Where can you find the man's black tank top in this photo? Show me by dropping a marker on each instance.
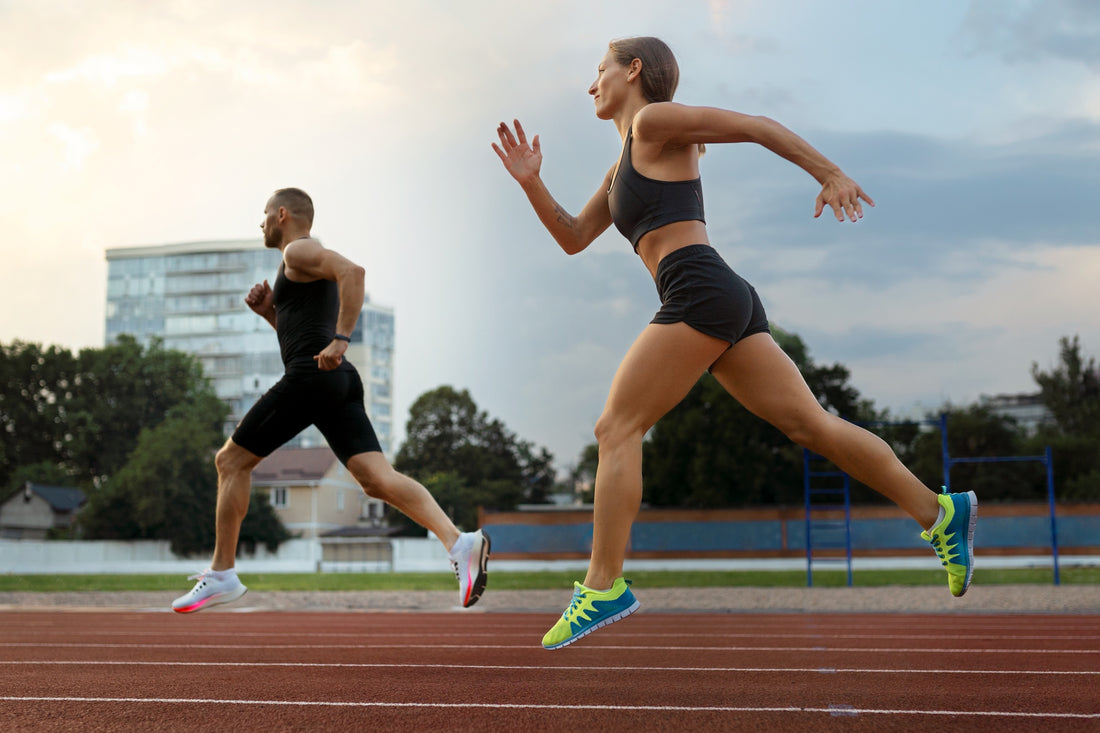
(639, 204)
(305, 317)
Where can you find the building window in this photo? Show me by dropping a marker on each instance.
(279, 497)
(340, 501)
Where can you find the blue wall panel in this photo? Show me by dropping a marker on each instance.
(767, 535)
(706, 536)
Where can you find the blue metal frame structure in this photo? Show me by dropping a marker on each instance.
(948, 461)
(843, 494)
(1047, 459)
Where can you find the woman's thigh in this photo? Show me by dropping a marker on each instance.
(760, 375)
(661, 367)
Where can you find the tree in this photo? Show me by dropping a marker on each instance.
(134, 427)
(85, 412)
(118, 391)
(1071, 391)
(468, 459)
(168, 487)
(34, 384)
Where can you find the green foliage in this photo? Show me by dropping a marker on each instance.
(1071, 391)
(34, 386)
(85, 412)
(467, 459)
(168, 487)
(135, 427)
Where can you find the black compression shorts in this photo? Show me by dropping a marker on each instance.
(333, 401)
(698, 288)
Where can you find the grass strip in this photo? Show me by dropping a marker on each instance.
(1077, 575)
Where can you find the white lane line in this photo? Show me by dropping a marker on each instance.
(569, 707)
(619, 647)
(534, 667)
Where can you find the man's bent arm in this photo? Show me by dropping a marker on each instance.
(308, 258)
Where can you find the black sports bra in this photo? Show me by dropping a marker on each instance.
(639, 204)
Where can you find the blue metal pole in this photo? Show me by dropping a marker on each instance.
(848, 524)
(806, 488)
(946, 452)
(1049, 461)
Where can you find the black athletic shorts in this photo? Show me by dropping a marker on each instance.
(333, 401)
(698, 288)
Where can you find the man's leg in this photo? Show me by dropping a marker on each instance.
(234, 465)
(219, 583)
(379, 480)
(469, 551)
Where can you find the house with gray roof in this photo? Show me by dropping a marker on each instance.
(31, 513)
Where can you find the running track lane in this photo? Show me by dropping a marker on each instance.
(485, 671)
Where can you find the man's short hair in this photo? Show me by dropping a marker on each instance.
(297, 202)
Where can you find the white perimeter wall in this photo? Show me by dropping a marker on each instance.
(44, 557)
(410, 555)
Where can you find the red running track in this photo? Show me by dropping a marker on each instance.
(471, 671)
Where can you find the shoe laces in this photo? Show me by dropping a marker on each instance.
(453, 558)
(941, 543)
(575, 604)
(938, 547)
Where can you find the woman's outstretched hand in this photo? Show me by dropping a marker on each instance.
(842, 194)
(523, 161)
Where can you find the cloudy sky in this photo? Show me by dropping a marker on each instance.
(974, 125)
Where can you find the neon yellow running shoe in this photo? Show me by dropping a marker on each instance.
(952, 537)
(591, 610)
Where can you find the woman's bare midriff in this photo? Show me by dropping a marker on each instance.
(654, 246)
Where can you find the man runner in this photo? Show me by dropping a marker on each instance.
(313, 308)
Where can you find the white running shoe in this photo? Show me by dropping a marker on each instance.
(214, 587)
(469, 556)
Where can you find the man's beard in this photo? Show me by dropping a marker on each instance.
(273, 237)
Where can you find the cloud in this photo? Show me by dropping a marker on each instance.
(78, 144)
(1030, 30)
(169, 122)
(954, 210)
(109, 70)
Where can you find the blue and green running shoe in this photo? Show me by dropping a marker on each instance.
(591, 610)
(952, 537)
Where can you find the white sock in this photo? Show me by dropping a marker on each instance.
(460, 544)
